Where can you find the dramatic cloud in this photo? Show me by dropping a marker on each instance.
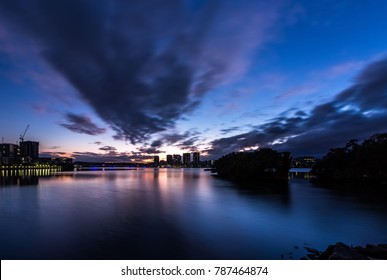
(156, 143)
(355, 113)
(82, 124)
(230, 129)
(143, 65)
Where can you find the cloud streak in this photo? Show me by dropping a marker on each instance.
(82, 124)
(109, 149)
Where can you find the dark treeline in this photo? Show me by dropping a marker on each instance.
(359, 164)
(261, 165)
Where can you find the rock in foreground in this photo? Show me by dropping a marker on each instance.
(341, 251)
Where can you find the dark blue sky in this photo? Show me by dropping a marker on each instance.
(125, 80)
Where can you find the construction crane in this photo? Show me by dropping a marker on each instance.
(22, 136)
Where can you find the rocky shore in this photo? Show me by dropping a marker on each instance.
(341, 251)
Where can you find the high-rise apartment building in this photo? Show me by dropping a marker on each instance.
(169, 160)
(186, 158)
(196, 157)
(29, 151)
(156, 160)
(176, 159)
(9, 153)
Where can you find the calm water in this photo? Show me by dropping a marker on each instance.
(175, 214)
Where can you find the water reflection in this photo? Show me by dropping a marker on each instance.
(19, 180)
(274, 192)
(10, 172)
(23, 177)
(176, 214)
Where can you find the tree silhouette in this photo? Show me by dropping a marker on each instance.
(262, 165)
(356, 163)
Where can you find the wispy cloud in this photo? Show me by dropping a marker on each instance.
(109, 149)
(55, 154)
(82, 124)
(305, 89)
(150, 151)
(229, 130)
(54, 147)
(348, 67)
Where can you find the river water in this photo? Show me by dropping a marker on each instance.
(176, 214)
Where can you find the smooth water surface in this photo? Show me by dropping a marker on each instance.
(176, 214)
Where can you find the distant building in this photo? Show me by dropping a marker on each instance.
(56, 160)
(169, 160)
(29, 151)
(9, 153)
(176, 159)
(186, 158)
(7, 150)
(156, 160)
(196, 157)
(304, 162)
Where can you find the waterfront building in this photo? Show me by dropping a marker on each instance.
(196, 157)
(169, 160)
(156, 160)
(9, 153)
(177, 160)
(186, 158)
(29, 151)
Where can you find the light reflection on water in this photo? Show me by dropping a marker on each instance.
(176, 214)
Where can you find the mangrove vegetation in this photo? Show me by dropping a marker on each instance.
(363, 164)
(263, 165)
